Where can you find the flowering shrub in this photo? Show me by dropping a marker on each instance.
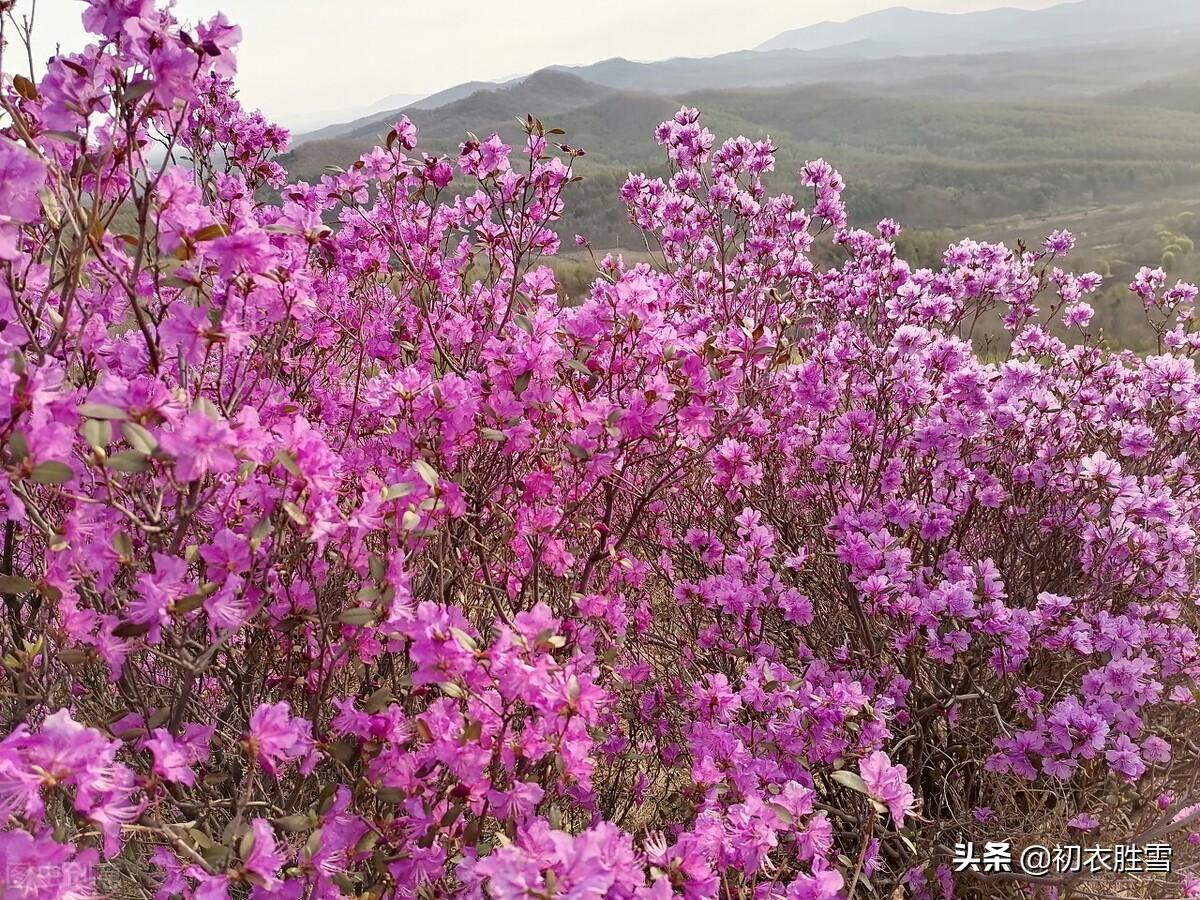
(344, 557)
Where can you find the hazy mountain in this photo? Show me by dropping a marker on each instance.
(310, 124)
(1017, 53)
(395, 101)
(390, 109)
(1058, 71)
(917, 33)
(992, 141)
(546, 93)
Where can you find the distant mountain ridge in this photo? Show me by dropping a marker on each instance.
(432, 101)
(546, 93)
(917, 32)
(879, 48)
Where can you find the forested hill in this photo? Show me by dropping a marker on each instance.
(943, 151)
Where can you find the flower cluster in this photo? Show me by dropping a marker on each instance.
(345, 556)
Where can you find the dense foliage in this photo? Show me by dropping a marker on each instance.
(343, 557)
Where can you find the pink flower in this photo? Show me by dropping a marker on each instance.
(406, 133)
(181, 207)
(64, 752)
(822, 884)
(1125, 758)
(37, 867)
(518, 802)
(1060, 242)
(155, 592)
(21, 178)
(200, 445)
(276, 736)
(219, 37)
(888, 784)
(1084, 822)
(174, 758)
(704, 522)
(264, 859)
(108, 17)
(248, 251)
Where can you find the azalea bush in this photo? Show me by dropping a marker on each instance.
(345, 556)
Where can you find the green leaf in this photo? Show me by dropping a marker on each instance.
(15, 584)
(52, 472)
(294, 823)
(295, 513)
(852, 780)
(211, 232)
(66, 137)
(139, 438)
(50, 207)
(131, 629)
(358, 615)
(784, 815)
(72, 657)
(205, 406)
(259, 533)
(522, 322)
(102, 411)
(130, 461)
(135, 92)
(378, 700)
(288, 460)
(493, 434)
(579, 452)
(398, 490)
(25, 87)
(188, 604)
(98, 433)
(246, 846)
(427, 472)
(367, 842)
(343, 749)
(123, 544)
(17, 446)
(464, 640)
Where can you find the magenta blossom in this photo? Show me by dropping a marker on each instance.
(889, 785)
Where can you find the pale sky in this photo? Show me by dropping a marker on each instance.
(301, 58)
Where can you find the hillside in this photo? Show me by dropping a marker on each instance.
(389, 113)
(937, 161)
(1069, 72)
